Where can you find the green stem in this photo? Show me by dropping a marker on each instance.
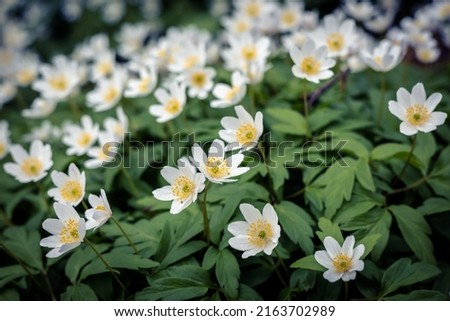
(278, 272)
(125, 234)
(281, 262)
(49, 285)
(5, 218)
(409, 187)
(251, 91)
(413, 145)
(205, 215)
(295, 194)
(134, 189)
(272, 193)
(27, 270)
(106, 264)
(84, 205)
(382, 97)
(171, 128)
(346, 291)
(305, 99)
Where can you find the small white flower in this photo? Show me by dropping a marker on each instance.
(230, 95)
(131, 38)
(144, 84)
(30, 167)
(104, 153)
(290, 16)
(39, 108)
(258, 233)
(8, 91)
(108, 91)
(70, 188)
(427, 54)
(4, 138)
(342, 263)
(416, 111)
(45, 132)
(311, 63)
(361, 10)
(80, 138)
(104, 65)
(185, 184)
(192, 56)
(215, 166)
(385, 57)
(199, 81)
(100, 212)
(26, 69)
(117, 127)
(171, 103)
(68, 230)
(243, 131)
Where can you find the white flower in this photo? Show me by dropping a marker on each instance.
(416, 111)
(117, 127)
(427, 54)
(68, 230)
(58, 80)
(216, 167)
(290, 16)
(80, 138)
(342, 263)
(108, 91)
(385, 57)
(104, 153)
(185, 184)
(144, 84)
(258, 233)
(243, 131)
(237, 24)
(44, 133)
(26, 69)
(8, 91)
(100, 212)
(311, 63)
(229, 95)
(191, 56)
(30, 167)
(380, 23)
(131, 38)
(199, 81)
(39, 108)
(70, 188)
(4, 138)
(361, 10)
(103, 66)
(171, 103)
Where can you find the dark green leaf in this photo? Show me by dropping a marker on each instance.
(419, 295)
(228, 273)
(328, 228)
(79, 292)
(24, 245)
(288, 121)
(308, 263)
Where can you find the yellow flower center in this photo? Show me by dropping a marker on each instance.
(84, 139)
(259, 233)
(100, 208)
(378, 60)
(118, 129)
(69, 233)
(417, 115)
(2, 149)
(444, 11)
(232, 93)
(198, 79)
(110, 94)
(59, 83)
(253, 10)
(242, 26)
(246, 134)
(249, 52)
(104, 153)
(25, 76)
(342, 263)
(335, 42)
(144, 84)
(32, 166)
(217, 167)
(182, 188)
(424, 55)
(190, 62)
(104, 67)
(172, 106)
(71, 191)
(310, 66)
(288, 18)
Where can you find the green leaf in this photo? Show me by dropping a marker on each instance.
(304, 280)
(288, 121)
(180, 252)
(246, 293)
(328, 228)
(389, 150)
(369, 242)
(79, 292)
(414, 229)
(308, 263)
(210, 258)
(364, 175)
(404, 272)
(419, 295)
(351, 209)
(321, 117)
(297, 225)
(24, 244)
(228, 273)
(10, 273)
(278, 174)
(434, 205)
(80, 258)
(425, 149)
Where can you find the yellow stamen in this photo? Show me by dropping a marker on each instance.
(100, 208)
(72, 191)
(249, 52)
(172, 106)
(246, 134)
(2, 149)
(335, 42)
(229, 96)
(59, 83)
(144, 84)
(310, 66)
(198, 79)
(110, 94)
(253, 10)
(182, 188)
(342, 263)
(104, 67)
(417, 115)
(242, 26)
(259, 233)
(378, 60)
(217, 167)
(190, 62)
(69, 233)
(25, 76)
(32, 166)
(288, 18)
(84, 139)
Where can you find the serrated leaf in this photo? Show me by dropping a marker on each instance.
(296, 223)
(364, 175)
(25, 246)
(180, 252)
(404, 272)
(303, 279)
(414, 229)
(434, 205)
(10, 273)
(80, 258)
(79, 292)
(228, 273)
(328, 228)
(308, 263)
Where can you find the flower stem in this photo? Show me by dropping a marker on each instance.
(84, 205)
(6, 219)
(49, 285)
(251, 92)
(281, 262)
(205, 215)
(278, 272)
(106, 264)
(382, 97)
(305, 99)
(125, 234)
(272, 193)
(409, 187)
(295, 194)
(413, 145)
(346, 291)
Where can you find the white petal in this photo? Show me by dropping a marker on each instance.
(59, 178)
(240, 243)
(396, 110)
(418, 94)
(403, 98)
(238, 228)
(426, 128)
(358, 265)
(230, 123)
(170, 174)
(324, 259)
(347, 247)
(437, 118)
(243, 115)
(18, 153)
(270, 215)
(250, 252)
(407, 129)
(50, 241)
(65, 212)
(178, 206)
(348, 276)
(250, 213)
(433, 101)
(164, 193)
(358, 252)
(52, 225)
(332, 276)
(332, 246)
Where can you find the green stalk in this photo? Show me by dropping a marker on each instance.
(125, 234)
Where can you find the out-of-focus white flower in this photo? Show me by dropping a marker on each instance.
(45, 132)
(237, 24)
(442, 10)
(185, 184)
(311, 62)
(420, 38)
(380, 23)
(416, 111)
(4, 138)
(144, 84)
(108, 91)
(26, 69)
(94, 47)
(15, 35)
(191, 56)
(385, 57)
(113, 11)
(58, 80)
(40, 108)
(258, 233)
(215, 166)
(68, 230)
(427, 54)
(198, 81)
(341, 262)
(241, 132)
(104, 153)
(171, 103)
(290, 16)
(254, 9)
(310, 20)
(117, 126)
(70, 188)
(103, 66)
(360, 10)
(29, 167)
(8, 91)
(80, 138)
(294, 39)
(229, 95)
(131, 38)
(72, 9)
(100, 212)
